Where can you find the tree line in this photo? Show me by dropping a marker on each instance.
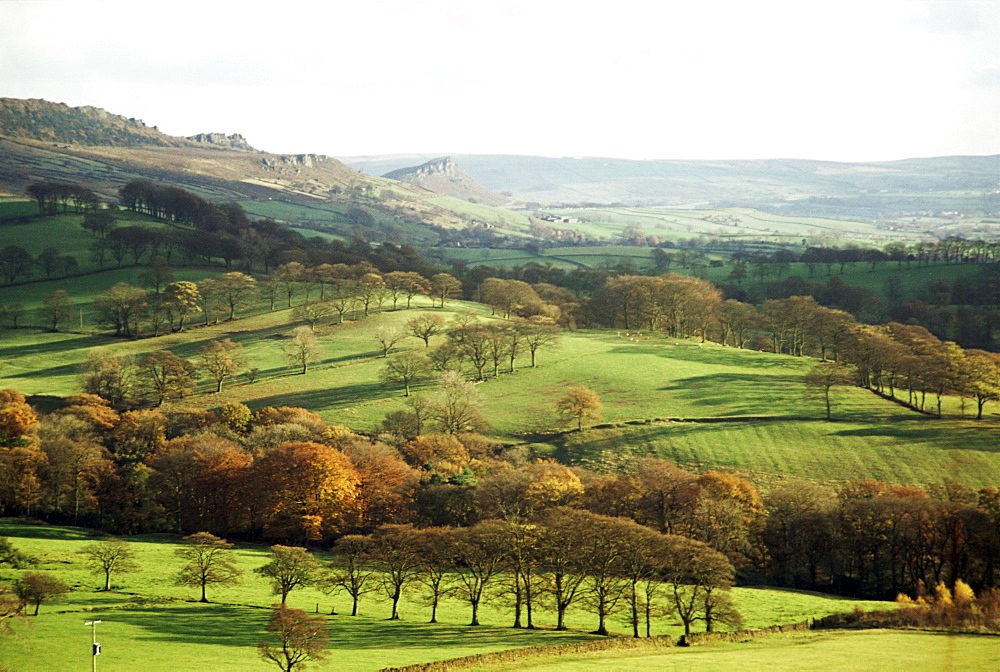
(282, 474)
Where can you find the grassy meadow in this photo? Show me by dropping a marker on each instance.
(656, 393)
(149, 622)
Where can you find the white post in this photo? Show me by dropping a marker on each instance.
(93, 644)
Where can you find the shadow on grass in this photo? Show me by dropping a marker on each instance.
(712, 355)
(324, 398)
(196, 624)
(13, 527)
(55, 347)
(984, 437)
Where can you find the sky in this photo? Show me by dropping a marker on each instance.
(649, 79)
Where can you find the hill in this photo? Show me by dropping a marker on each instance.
(444, 177)
(44, 141)
(798, 186)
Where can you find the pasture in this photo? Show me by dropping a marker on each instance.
(150, 623)
(701, 405)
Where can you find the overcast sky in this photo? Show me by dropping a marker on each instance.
(691, 79)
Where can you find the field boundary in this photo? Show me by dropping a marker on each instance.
(513, 655)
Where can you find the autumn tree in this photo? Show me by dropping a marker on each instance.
(221, 359)
(236, 290)
(387, 337)
(445, 286)
(110, 556)
(425, 326)
(181, 299)
(692, 570)
(308, 490)
(301, 347)
(301, 638)
(350, 569)
(577, 404)
(561, 565)
(165, 375)
(435, 554)
(406, 369)
(312, 312)
(825, 376)
(210, 561)
(538, 335)
(479, 552)
(37, 587)
(398, 557)
(290, 567)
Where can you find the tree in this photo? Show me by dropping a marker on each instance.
(308, 490)
(457, 404)
(312, 312)
(479, 553)
(426, 325)
(209, 562)
(236, 289)
(290, 567)
(221, 359)
(435, 559)
(395, 551)
(57, 308)
(577, 404)
(121, 308)
(406, 368)
(445, 286)
(350, 568)
(823, 377)
(387, 337)
(111, 377)
(537, 335)
(181, 299)
(15, 262)
(692, 570)
(301, 638)
(109, 556)
(301, 347)
(166, 375)
(37, 587)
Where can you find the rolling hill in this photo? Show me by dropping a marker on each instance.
(799, 186)
(44, 141)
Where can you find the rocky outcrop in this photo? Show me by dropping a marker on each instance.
(234, 141)
(443, 176)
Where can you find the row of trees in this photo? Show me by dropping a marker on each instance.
(283, 474)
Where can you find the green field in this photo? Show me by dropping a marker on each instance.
(148, 622)
(641, 381)
(842, 651)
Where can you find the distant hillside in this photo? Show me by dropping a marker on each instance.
(442, 176)
(825, 187)
(52, 142)
(41, 120)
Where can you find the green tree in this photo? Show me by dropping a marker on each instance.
(110, 556)
(301, 638)
(290, 567)
(209, 562)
